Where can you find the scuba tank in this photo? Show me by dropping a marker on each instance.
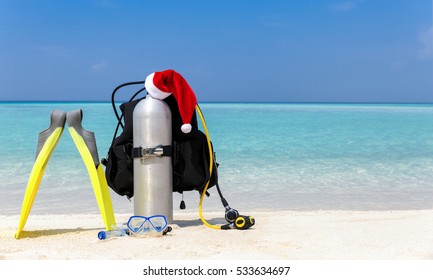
(153, 175)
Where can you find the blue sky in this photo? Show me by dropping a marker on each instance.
(274, 51)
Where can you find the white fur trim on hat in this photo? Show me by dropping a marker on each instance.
(153, 90)
(186, 128)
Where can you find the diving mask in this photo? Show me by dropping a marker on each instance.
(141, 225)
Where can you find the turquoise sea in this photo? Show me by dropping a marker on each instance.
(272, 157)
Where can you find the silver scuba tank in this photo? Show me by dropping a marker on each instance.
(153, 185)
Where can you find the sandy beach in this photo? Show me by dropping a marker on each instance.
(295, 235)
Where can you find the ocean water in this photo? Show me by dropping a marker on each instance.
(272, 157)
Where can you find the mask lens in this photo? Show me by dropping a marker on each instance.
(135, 223)
(159, 222)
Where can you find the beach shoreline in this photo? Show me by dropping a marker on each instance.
(277, 235)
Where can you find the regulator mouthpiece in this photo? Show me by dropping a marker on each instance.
(244, 222)
(241, 222)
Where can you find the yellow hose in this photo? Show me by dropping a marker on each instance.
(200, 208)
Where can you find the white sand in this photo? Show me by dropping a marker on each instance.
(320, 235)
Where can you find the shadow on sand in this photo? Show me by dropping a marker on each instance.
(52, 232)
(198, 222)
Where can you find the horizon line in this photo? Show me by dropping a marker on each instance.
(221, 102)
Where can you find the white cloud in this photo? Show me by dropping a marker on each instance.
(106, 4)
(397, 66)
(53, 50)
(344, 6)
(275, 20)
(99, 66)
(426, 40)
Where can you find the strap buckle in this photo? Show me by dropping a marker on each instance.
(158, 151)
(148, 152)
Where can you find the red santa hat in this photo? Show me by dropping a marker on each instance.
(161, 84)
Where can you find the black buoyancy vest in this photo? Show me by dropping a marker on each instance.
(190, 155)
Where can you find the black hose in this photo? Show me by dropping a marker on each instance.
(114, 93)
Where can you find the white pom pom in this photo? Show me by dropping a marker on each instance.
(186, 128)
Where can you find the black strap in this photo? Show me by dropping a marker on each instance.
(139, 152)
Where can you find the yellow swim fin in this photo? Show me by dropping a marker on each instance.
(86, 145)
(47, 142)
